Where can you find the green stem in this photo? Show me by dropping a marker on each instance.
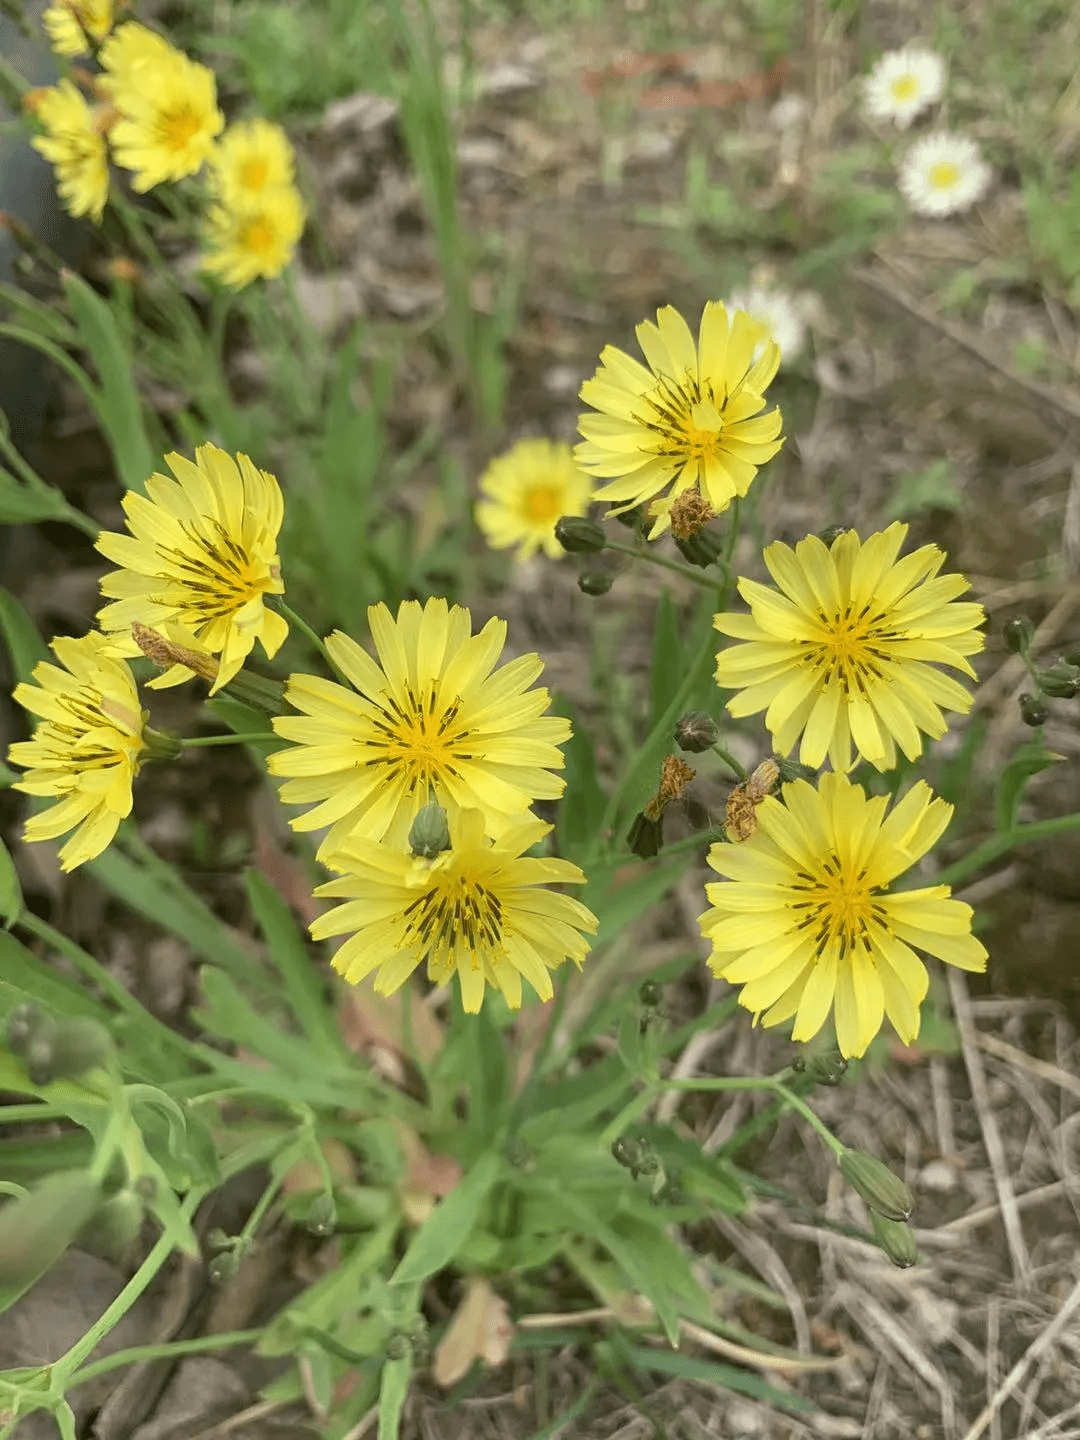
(680, 847)
(93, 971)
(640, 552)
(168, 1351)
(203, 742)
(772, 1083)
(1002, 843)
(65, 1367)
(729, 760)
(302, 625)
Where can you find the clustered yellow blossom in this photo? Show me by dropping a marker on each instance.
(420, 761)
(161, 122)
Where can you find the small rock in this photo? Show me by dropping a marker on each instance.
(362, 114)
(507, 79)
(202, 1390)
(938, 1175)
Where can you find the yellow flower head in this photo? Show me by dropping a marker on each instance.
(845, 652)
(690, 419)
(479, 909)
(168, 108)
(254, 237)
(73, 24)
(431, 719)
(199, 562)
(526, 491)
(87, 748)
(128, 50)
(803, 920)
(252, 156)
(74, 145)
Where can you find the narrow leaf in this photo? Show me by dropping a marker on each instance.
(449, 1225)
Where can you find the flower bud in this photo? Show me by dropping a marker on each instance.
(1033, 711)
(36, 1229)
(595, 582)
(646, 836)
(22, 1026)
(702, 549)
(792, 770)
(634, 519)
(1019, 633)
(578, 535)
(650, 993)
(626, 1151)
(112, 1232)
(831, 534)
(824, 1069)
(1072, 655)
(321, 1218)
(1061, 681)
(696, 731)
(884, 1192)
(430, 833)
(895, 1239)
(223, 1267)
(257, 690)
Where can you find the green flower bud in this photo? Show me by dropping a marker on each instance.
(217, 1239)
(112, 1232)
(895, 1239)
(645, 836)
(321, 1218)
(825, 1069)
(579, 535)
(831, 534)
(430, 834)
(650, 993)
(702, 549)
(1061, 681)
(160, 744)
(36, 1229)
(792, 770)
(1033, 711)
(626, 1151)
(21, 1027)
(595, 582)
(257, 690)
(1019, 633)
(884, 1192)
(223, 1267)
(696, 732)
(634, 519)
(78, 1045)
(1072, 655)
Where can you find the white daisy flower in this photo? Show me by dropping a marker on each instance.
(778, 311)
(903, 83)
(943, 173)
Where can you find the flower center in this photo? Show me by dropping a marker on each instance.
(176, 128)
(258, 235)
(837, 907)
(455, 914)
(67, 745)
(944, 175)
(543, 503)
(850, 648)
(253, 173)
(419, 740)
(215, 575)
(688, 421)
(904, 87)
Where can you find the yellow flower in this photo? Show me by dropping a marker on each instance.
(72, 24)
(252, 156)
(200, 559)
(803, 922)
(526, 491)
(429, 720)
(128, 50)
(168, 108)
(846, 653)
(688, 419)
(87, 748)
(478, 909)
(74, 145)
(255, 236)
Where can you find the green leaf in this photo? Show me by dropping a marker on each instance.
(689, 1367)
(231, 1015)
(630, 1047)
(118, 405)
(11, 899)
(305, 985)
(1028, 761)
(21, 505)
(180, 1143)
(24, 644)
(24, 976)
(487, 1083)
(449, 1225)
(918, 490)
(393, 1390)
(667, 658)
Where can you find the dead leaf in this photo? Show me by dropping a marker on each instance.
(367, 1021)
(427, 1177)
(306, 1176)
(480, 1330)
